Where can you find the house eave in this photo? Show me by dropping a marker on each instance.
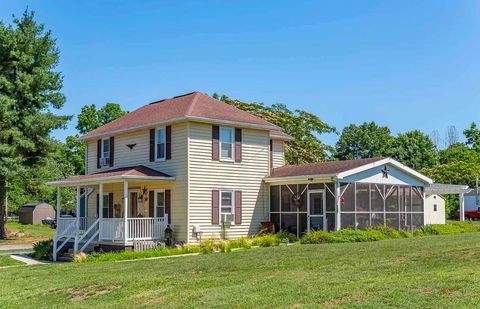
(87, 137)
(111, 179)
(301, 179)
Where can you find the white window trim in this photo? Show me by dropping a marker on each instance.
(155, 205)
(220, 205)
(103, 152)
(232, 159)
(157, 159)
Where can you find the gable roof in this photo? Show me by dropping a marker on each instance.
(193, 106)
(139, 172)
(340, 169)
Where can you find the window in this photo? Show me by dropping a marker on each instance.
(106, 151)
(106, 209)
(160, 204)
(226, 203)
(434, 207)
(226, 143)
(161, 145)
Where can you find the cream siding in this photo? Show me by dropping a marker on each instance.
(139, 155)
(278, 154)
(206, 175)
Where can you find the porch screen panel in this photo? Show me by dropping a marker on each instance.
(274, 198)
(347, 202)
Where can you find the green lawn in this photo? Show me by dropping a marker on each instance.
(423, 272)
(31, 233)
(5, 260)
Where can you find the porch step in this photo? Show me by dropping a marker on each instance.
(63, 258)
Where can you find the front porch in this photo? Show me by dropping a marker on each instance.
(114, 208)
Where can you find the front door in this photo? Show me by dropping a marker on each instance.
(316, 210)
(133, 203)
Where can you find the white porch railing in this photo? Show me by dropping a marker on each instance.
(111, 229)
(147, 228)
(63, 223)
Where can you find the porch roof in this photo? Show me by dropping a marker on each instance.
(140, 173)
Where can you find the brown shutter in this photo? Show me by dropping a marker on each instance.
(152, 145)
(112, 147)
(99, 152)
(215, 141)
(238, 145)
(168, 146)
(98, 205)
(271, 154)
(168, 205)
(238, 207)
(151, 206)
(110, 205)
(215, 206)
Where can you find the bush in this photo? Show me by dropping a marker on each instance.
(80, 258)
(390, 233)
(319, 237)
(269, 240)
(444, 229)
(131, 255)
(42, 250)
(286, 237)
(207, 246)
(348, 235)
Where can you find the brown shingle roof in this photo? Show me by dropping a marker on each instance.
(138, 171)
(280, 135)
(321, 168)
(191, 106)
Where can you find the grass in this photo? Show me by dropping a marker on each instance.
(420, 272)
(32, 233)
(5, 260)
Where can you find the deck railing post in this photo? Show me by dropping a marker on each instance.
(75, 246)
(125, 208)
(337, 206)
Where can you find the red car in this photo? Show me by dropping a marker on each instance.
(469, 214)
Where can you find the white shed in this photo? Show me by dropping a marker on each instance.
(434, 209)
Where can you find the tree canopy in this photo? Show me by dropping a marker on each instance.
(367, 140)
(29, 87)
(304, 127)
(414, 149)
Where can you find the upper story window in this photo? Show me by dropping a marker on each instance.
(160, 144)
(105, 151)
(226, 143)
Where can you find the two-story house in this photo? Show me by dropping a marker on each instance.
(207, 170)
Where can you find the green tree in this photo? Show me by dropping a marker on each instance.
(89, 119)
(367, 140)
(414, 149)
(458, 152)
(472, 135)
(29, 88)
(304, 127)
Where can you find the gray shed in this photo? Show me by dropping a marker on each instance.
(34, 213)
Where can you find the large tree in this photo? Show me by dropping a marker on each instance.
(29, 88)
(89, 119)
(367, 140)
(414, 149)
(304, 127)
(472, 135)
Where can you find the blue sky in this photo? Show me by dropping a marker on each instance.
(407, 65)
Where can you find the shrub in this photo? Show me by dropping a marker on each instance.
(80, 258)
(269, 240)
(42, 250)
(286, 237)
(319, 237)
(245, 243)
(390, 233)
(131, 255)
(444, 229)
(207, 246)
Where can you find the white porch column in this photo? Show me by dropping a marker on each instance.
(75, 247)
(462, 206)
(337, 208)
(100, 201)
(125, 207)
(59, 196)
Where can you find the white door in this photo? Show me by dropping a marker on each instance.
(316, 210)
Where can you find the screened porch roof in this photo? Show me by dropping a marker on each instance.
(137, 173)
(440, 188)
